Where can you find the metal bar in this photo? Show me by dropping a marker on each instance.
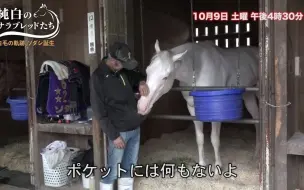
(224, 34)
(190, 88)
(192, 22)
(192, 118)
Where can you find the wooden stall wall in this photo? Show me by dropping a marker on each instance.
(70, 43)
(295, 46)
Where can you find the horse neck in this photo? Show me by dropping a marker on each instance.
(184, 70)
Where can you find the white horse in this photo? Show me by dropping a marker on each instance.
(214, 66)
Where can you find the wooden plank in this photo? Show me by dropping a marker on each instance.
(265, 83)
(31, 96)
(295, 145)
(280, 140)
(73, 128)
(95, 7)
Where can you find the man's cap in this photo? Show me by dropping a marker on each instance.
(121, 52)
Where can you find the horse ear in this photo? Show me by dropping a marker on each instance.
(178, 56)
(157, 49)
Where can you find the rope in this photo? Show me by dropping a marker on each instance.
(278, 106)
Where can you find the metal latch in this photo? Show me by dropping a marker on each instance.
(297, 66)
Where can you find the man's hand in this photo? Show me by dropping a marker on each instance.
(119, 143)
(143, 88)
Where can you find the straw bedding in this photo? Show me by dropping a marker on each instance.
(15, 156)
(237, 147)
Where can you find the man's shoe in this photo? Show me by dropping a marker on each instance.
(104, 186)
(125, 183)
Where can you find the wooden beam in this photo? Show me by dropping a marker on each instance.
(94, 59)
(31, 97)
(73, 128)
(266, 80)
(280, 132)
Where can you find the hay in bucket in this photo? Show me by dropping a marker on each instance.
(237, 148)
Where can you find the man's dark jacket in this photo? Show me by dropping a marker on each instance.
(113, 100)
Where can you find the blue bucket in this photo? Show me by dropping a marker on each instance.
(19, 108)
(218, 105)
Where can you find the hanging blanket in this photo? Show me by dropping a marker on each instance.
(58, 97)
(42, 93)
(79, 77)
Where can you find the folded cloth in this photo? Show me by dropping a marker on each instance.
(55, 153)
(60, 70)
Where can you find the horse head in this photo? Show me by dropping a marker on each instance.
(41, 11)
(160, 77)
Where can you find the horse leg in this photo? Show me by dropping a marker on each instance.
(199, 133)
(215, 140)
(252, 107)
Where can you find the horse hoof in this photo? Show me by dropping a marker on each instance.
(202, 163)
(218, 171)
(216, 176)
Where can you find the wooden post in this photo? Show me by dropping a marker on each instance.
(94, 55)
(266, 81)
(31, 97)
(280, 139)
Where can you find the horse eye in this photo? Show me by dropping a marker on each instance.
(165, 78)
